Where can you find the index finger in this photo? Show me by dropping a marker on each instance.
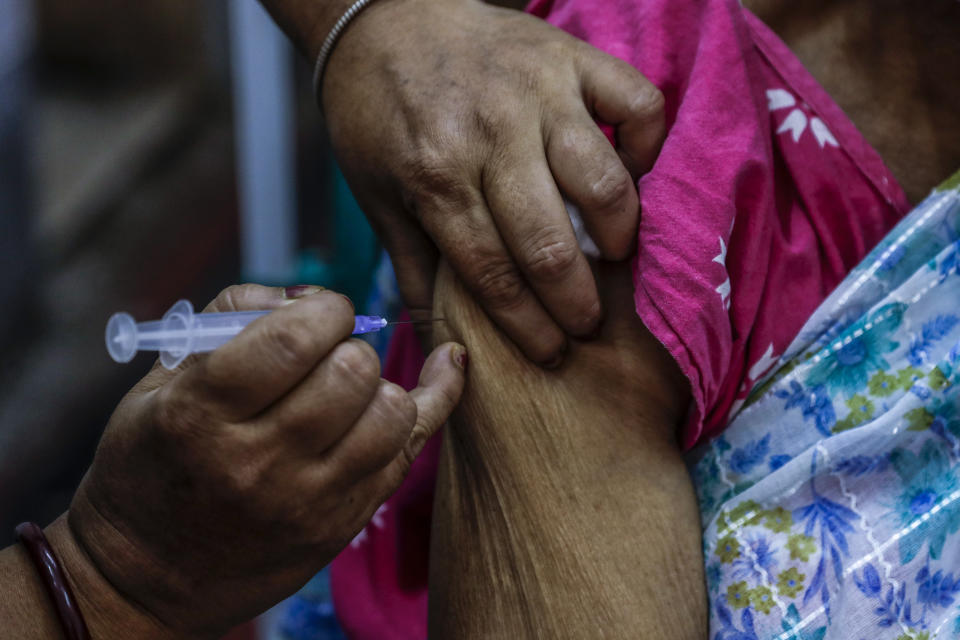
(620, 95)
(269, 357)
(529, 212)
(475, 250)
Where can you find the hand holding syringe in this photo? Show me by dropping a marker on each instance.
(182, 332)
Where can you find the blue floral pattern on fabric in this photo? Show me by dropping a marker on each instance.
(831, 504)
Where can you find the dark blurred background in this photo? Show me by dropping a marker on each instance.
(149, 151)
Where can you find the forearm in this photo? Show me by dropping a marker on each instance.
(27, 613)
(563, 506)
(25, 609)
(307, 22)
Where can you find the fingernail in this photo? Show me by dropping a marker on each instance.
(459, 354)
(300, 291)
(352, 306)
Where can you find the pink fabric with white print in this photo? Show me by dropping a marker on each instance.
(763, 198)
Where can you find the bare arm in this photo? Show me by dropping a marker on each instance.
(306, 22)
(25, 609)
(563, 507)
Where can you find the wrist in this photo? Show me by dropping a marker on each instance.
(108, 613)
(378, 35)
(26, 611)
(321, 26)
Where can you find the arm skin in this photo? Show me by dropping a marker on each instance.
(26, 612)
(306, 22)
(563, 508)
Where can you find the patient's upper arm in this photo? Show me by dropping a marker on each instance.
(563, 505)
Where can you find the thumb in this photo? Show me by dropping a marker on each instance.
(619, 95)
(437, 393)
(238, 297)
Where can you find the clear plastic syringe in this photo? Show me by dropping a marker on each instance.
(182, 332)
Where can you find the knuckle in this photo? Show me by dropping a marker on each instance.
(415, 443)
(219, 375)
(241, 479)
(176, 412)
(399, 409)
(560, 49)
(433, 176)
(491, 121)
(610, 190)
(227, 300)
(551, 256)
(498, 284)
(569, 131)
(648, 104)
(396, 473)
(569, 141)
(356, 361)
(291, 341)
(407, 457)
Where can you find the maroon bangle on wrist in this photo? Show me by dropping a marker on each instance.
(54, 581)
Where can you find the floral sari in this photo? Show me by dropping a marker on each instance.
(831, 504)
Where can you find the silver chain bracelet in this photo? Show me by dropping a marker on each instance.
(327, 48)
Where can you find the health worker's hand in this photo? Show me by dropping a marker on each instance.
(220, 488)
(458, 125)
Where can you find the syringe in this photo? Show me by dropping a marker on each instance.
(182, 332)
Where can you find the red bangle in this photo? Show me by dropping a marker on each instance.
(47, 565)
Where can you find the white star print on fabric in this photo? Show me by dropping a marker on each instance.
(722, 258)
(376, 522)
(724, 288)
(821, 133)
(780, 99)
(796, 121)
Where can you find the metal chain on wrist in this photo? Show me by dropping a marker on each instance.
(331, 40)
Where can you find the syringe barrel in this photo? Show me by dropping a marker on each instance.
(182, 332)
(211, 330)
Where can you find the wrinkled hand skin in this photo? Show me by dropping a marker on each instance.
(221, 488)
(459, 124)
